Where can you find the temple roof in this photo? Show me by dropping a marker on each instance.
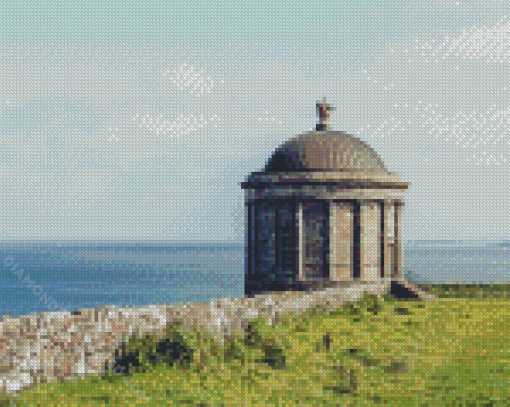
(325, 151)
(325, 155)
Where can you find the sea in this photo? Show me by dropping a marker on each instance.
(66, 276)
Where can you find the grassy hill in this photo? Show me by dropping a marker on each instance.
(374, 352)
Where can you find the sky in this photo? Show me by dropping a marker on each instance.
(138, 121)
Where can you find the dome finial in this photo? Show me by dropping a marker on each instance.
(323, 111)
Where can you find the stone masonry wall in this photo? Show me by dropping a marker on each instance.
(66, 346)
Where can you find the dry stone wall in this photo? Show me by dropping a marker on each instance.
(54, 346)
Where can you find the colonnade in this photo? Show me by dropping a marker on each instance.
(324, 239)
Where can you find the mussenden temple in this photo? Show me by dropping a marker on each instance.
(325, 211)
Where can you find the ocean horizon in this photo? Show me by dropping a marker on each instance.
(42, 276)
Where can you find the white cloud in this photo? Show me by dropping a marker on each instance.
(492, 44)
(186, 78)
(180, 126)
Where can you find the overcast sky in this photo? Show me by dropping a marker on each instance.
(139, 120)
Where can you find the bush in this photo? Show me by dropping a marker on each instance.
(141, 353)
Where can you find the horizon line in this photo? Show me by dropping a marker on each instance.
(226, 242)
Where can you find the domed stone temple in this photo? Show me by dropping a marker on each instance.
(325, 211)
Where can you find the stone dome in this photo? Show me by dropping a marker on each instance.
(325, 156)
(325, 151)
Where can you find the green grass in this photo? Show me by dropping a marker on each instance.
(374, 352)
(469, 290)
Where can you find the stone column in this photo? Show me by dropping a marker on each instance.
(397, 250)
(301, 240)
(342, 241)
(250, 276)
(370, 247)
(389, 237)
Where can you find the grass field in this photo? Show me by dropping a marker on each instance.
(374, 352)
